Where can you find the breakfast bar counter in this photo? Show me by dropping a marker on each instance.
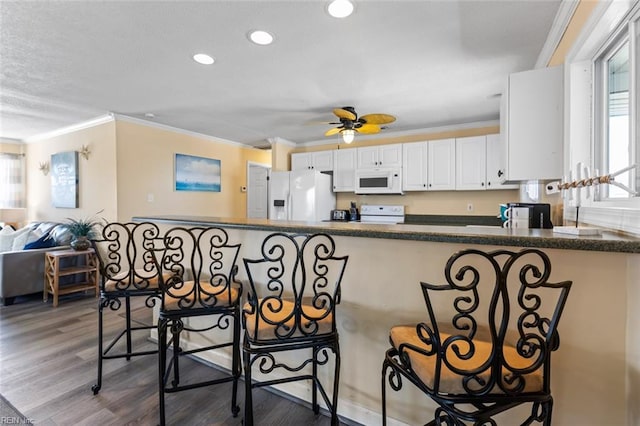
(483, 235)
(596, 371)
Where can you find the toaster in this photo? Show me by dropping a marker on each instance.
(340, 215)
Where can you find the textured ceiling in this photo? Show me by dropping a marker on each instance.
(430, 63)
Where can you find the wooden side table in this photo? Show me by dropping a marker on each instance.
(53, 270)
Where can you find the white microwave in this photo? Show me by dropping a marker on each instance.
(379, 181)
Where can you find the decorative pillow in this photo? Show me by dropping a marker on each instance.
(11, 240)
(20, 238)
(61, 235)
(6, 238)
(45, 227)
(34, 235)
(45, 241)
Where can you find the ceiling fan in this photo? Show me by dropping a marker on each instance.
(350, 123)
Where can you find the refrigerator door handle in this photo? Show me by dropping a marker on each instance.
(289, 209)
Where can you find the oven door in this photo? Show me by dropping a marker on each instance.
(378, 181)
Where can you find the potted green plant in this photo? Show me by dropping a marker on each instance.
(81, 230)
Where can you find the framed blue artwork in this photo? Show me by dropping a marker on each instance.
(197, 173)
(64, 180)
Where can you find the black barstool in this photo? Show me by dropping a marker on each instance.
(202, 267)
(486, 345)
(295, 288)
(125, 253)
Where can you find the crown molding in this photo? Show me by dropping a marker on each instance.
(281, 141)
(70, 129)
(129, 119)
(403, 133)
(11, 141)
(558, 28)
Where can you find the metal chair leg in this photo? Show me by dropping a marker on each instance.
(547, 409)
(336, 383)
(314, 383)
(162, 365)
(236, 366)
(248, 400)
(385, 367)
(176, 328)
(96, 388)
(127, 304)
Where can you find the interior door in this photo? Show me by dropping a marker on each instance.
(257, 191)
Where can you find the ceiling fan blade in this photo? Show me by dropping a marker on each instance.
(333, 131)
(377, 118)
(313, 123)
(343, 113)
(368, 128)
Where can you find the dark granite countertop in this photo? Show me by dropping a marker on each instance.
(474, 234)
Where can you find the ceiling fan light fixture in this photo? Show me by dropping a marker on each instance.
(203, 58)
(348, 135)
(340, 8)
(260, 37)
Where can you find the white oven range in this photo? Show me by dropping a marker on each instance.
(385, 214)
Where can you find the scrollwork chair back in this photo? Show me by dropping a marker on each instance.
(291, 306)
(200, 281)
(126, 258)
(295, 288)
(491, 344)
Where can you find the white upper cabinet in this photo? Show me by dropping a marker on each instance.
(372, 157)
(495, 164)
(321, 161)
(414, 166)
(531, 125)
(441, 168)
(344, 170)
(471, 163)
(478, 163)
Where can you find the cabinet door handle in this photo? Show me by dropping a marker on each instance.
(500, 173)
(482, 184)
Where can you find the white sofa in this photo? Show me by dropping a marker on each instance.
(22, 270)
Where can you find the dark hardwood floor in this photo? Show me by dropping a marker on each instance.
(48, 360)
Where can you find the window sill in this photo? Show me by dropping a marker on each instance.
(615, 218)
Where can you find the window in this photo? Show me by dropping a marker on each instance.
(617, 121)
(12, 182)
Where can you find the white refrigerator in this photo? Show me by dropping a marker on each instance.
(301, 195)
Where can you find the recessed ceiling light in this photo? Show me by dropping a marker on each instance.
(203, 59)
(260, 37)
(340, 8)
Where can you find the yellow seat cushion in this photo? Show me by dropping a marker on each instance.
(267, 331)
(225, 297)
(120, 281)
(450, 382)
